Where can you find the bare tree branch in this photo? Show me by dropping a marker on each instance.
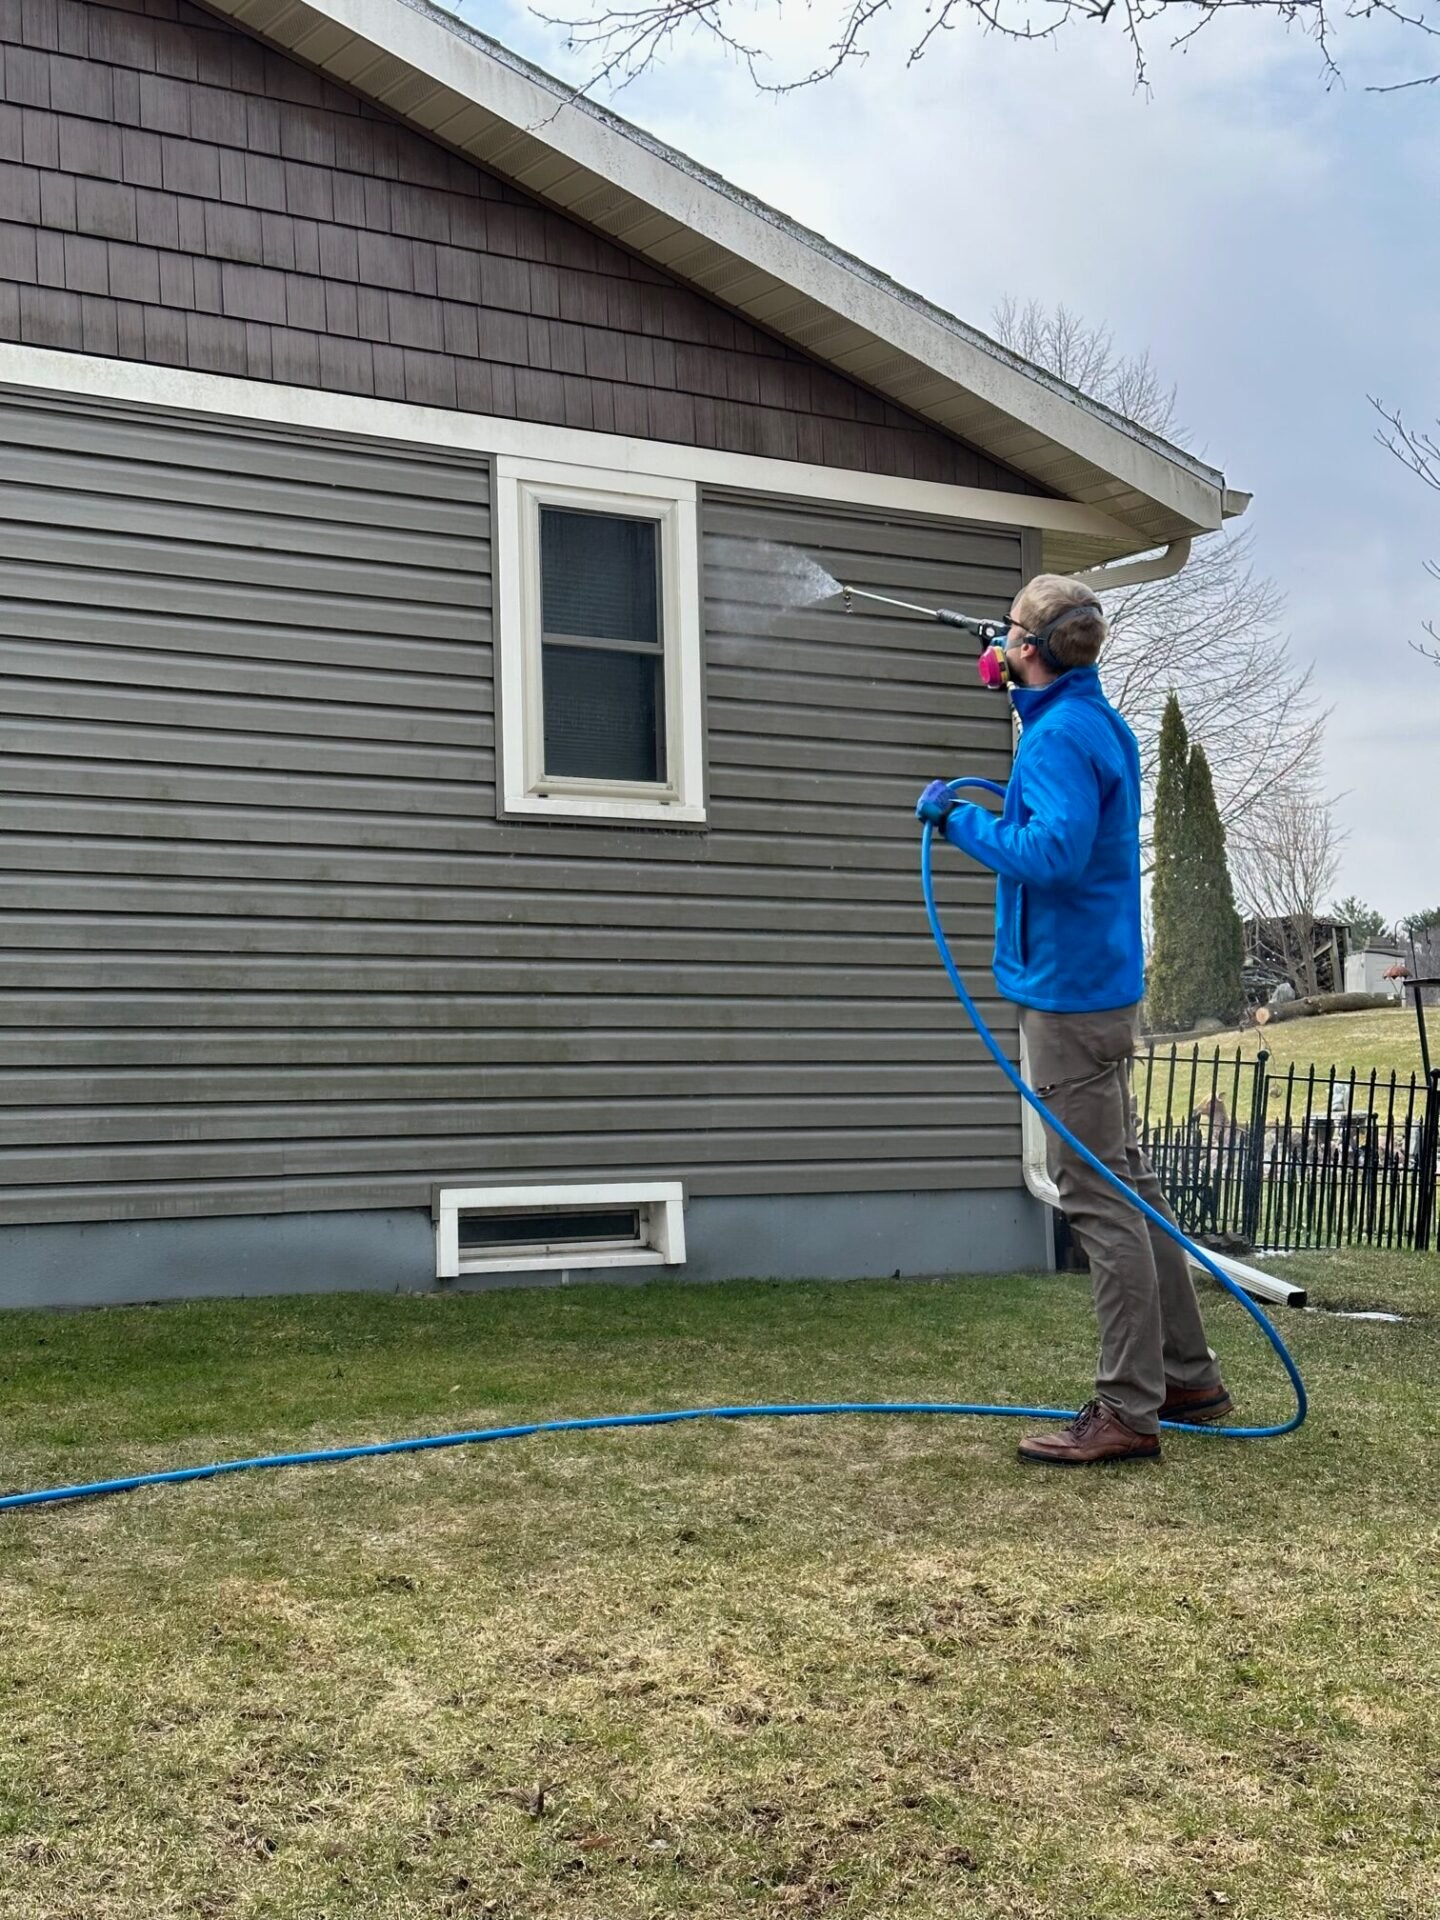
(1284, 872)
(1084, 355)
(1418, 453)
(625, 39)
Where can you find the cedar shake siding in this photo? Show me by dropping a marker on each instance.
(172, 191)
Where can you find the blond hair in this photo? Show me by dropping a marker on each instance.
(1078, 642)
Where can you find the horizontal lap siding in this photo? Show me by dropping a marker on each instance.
(264, 944)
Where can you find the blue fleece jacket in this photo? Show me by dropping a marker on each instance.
(1066, 849)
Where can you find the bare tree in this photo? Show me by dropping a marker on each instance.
(1085, 355)
(622, 40)
(1420, 453)
(1282, 872)
(1211, 632)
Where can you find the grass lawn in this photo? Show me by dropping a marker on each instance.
(1378, 1039)
(828, 1667)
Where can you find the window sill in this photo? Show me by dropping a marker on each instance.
(574, 806)
(571, 1260)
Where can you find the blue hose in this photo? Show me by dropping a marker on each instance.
(1032, 1099)
(482, 1436)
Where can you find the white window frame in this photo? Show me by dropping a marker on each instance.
(660, 1205)
(522, 488)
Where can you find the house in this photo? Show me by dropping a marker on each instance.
(1369, 970)
(437, 846)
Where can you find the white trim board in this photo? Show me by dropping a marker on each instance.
(87, 376)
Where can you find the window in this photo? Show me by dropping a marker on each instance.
(598, 602)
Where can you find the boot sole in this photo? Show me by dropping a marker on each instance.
(1105, 1460)
(1200, 1416)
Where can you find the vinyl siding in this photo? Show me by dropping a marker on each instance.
(264, 944)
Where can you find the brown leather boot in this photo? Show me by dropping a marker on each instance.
(1196, 1406)
(1095, 1437)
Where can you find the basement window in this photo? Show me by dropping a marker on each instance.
(598, 602)
(509, 1229)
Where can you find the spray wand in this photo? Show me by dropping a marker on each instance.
(986, 630)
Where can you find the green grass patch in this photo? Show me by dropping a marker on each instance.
(1321, 1051)
(839, 1667)
(1381, 1039)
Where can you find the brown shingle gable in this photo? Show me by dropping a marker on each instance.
(187, 196)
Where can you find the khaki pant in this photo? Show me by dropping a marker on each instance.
(1150, 1326)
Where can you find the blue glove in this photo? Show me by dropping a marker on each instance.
(936, 804)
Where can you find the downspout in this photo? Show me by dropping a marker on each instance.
(1162, 566)
(1264, 1286)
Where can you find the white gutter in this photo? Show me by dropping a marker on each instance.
(1137, 572)
(1264, 1286)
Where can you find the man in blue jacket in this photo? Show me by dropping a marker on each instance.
(1068, 950)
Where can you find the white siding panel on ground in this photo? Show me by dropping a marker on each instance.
(266, 946)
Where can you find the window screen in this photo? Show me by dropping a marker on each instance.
(602, 647)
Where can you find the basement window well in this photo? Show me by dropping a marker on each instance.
(510, 1229)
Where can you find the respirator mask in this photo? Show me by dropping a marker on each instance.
(994, 668)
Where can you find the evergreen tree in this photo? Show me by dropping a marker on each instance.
(1165, 995)
(1361, 922)
(1198, 952)
(1217, 949)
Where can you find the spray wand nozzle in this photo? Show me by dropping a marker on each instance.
(986, 630)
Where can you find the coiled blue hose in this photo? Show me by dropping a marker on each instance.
(786, 1410)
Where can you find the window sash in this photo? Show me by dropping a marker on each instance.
(567, 721)
(613, 588)
(649, 649)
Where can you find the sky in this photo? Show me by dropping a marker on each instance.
(1271, 240)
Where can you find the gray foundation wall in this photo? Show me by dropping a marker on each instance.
(788, 1237)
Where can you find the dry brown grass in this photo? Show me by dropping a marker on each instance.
(838, 1668)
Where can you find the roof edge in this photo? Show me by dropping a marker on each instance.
(575, 100)
(427, 66)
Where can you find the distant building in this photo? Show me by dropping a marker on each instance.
(1365, 971)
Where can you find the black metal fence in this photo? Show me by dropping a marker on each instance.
(1303, 1157)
